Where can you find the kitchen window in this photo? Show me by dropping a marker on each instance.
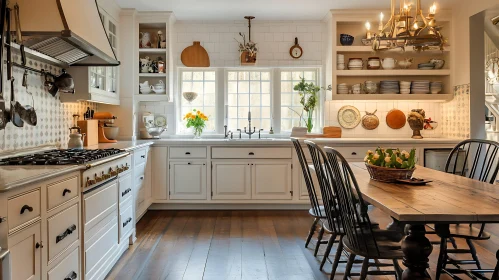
(249, 91)
(227, 95)
(204, 84)
(290, 99)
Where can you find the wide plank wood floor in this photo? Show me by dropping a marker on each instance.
(253, 245)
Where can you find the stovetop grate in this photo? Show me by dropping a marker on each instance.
(60, 157)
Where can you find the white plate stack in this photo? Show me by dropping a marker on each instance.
(420, 87)
(342, 89)
(389, 87)
(435, 87)
(405, 87)
(341, 62)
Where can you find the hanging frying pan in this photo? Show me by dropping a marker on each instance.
(15, 107)
(28, 113)
(3, 112)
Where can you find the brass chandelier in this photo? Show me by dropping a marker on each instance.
(407, 29)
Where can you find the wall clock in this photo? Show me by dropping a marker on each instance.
(296, 51)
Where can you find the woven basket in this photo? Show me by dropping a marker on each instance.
(388, 175)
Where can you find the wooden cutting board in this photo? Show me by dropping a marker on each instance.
(395, 119)
(91, 129)
(195, 56)
(327, 132)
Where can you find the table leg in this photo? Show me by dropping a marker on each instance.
(416, 248)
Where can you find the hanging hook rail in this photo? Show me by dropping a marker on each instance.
(42, 72)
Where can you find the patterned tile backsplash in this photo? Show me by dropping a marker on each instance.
(382, 108)
(54, 118)
(456, 114)
(453, 117)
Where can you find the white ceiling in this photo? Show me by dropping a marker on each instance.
(261, 9)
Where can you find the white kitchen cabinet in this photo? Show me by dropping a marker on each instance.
(303, 186)
(142, 181)
(231, 180)
(25, 253)
(271, 180)
(187, 180)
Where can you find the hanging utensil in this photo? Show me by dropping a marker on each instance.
(3, 112)
(50, 85)
(28, 114)
(65, 83)
(19, 36)
(15, 107)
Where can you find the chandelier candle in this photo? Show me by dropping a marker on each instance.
(368, 27)
(381, 16)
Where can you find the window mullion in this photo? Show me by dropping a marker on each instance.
(276, 100)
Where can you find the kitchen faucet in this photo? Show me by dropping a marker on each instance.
(227, 133)
(249, 132)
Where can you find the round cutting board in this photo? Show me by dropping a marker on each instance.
(348, 117)
(370, 121)
(395, 119)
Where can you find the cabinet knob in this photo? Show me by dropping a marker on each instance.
(187, 153)
(251, 154)
(354, 153)
(143, 156)
(38, 245)
(3, 219)
(65, 192)
(26, 207)
(141, 177)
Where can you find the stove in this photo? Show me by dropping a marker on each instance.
(61, 157)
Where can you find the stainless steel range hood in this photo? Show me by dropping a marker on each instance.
(66, 32)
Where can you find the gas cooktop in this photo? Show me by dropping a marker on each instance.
(61, 157)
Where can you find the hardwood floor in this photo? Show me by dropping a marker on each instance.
(218, 245)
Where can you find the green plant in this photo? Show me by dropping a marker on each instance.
(309, 95)
(391, 158)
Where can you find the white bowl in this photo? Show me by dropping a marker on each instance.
(111, 132)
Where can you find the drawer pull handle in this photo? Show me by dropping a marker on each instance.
(38, 245)
(127, 222)
(189, 163)
(71, 276)
(143, 156)
(251, 154)
(125, 192)
(354, 153)
(65, 192)
(63, 235)
(26, 207)
(187, 153)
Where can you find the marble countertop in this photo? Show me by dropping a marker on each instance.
(18, 176)
(287, 141)
(123, 145)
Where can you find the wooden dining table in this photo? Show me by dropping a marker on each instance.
(448, 199)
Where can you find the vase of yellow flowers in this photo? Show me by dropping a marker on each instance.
(197, 120)
(390, 165)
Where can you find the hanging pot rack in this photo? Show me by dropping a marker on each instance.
(42, 72)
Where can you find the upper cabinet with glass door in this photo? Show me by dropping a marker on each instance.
(102, 82)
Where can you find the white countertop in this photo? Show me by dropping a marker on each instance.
(287, 141)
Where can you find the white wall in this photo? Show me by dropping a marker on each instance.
(273, 38)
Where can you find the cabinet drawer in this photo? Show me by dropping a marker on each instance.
(60, 192)
(126, 220)
(68, 268)
(188, 152)
(23, 208)
(100, 249)
(249, 152)
(125, 186)
(356, 153)
(140, 156)
(63, 230)
(99, 203)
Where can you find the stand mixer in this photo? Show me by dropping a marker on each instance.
(107, 132)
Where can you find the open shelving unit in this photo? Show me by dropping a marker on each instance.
(153, 22)
(353, 23)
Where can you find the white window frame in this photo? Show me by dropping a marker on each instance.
(318, 110)
(218, 93)
(221, 106)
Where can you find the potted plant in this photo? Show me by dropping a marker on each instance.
(309, 95)
(197, 120)
(248, 50)
(390, 165)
